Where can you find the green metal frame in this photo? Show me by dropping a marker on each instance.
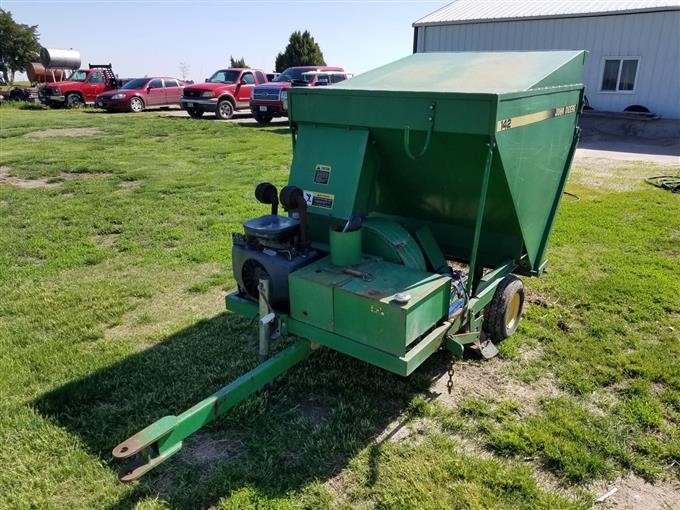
(162, 439)
(480, 218)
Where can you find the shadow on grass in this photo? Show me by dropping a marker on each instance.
(282, 127)
(125, 112)
(305, 427)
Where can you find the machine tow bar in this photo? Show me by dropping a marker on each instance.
(162, 439)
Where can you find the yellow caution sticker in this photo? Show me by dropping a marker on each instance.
(317, 199)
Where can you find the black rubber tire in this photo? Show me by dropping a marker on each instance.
(496, 321)
(224, 110)
(140, 101)
(263, 119)
(73, 100)
(16, 95)
(195, 113)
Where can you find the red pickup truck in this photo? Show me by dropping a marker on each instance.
(225, 92)
(269, 101)
(83, 86)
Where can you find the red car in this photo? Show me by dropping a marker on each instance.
(141, 93)
(225, 92)
(269, 100)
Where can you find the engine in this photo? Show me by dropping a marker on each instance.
(272, 246)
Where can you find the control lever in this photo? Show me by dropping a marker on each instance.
(354, 222)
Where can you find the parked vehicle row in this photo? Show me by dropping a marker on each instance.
(235, 89)
(225, 92)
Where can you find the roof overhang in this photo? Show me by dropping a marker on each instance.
(420, 23)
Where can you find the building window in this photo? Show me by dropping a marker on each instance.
(619, 74)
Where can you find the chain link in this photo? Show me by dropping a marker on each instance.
(449, 383)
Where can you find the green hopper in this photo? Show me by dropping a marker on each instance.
(418, 192)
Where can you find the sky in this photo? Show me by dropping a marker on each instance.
(152, 37)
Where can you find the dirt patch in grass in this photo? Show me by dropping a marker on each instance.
(69, 132)
(401, 430)
(612, 175)
(74, 176)
(337, 486)
(314, 412)
(36, 261)
(635, 493)
(129, 185)
(489, 379)
(43, 182)
(536, 298)
(105, 241)
(207, 450)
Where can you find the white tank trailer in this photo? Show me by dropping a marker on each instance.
(55, 66)
(53, 58)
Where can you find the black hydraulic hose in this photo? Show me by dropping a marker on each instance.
(667, 182)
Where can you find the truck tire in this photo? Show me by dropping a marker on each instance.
(195, 113)
(505, 310)
(262, 119)
(17, 95)
(225, 110)
(74, 100)
(136, 104)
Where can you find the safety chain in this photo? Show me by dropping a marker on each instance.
(449, 384)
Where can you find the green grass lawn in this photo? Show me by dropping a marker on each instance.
(114, 262)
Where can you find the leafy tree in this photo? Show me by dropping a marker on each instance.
(302, 50)
(237, 62)
(18, 45)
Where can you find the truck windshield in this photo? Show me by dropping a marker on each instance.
(224, 77)
(135, 84)
(292, 74)
(78, 76)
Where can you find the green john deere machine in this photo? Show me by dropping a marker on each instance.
(417, 193)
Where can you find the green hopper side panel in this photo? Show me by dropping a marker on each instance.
(409, 141)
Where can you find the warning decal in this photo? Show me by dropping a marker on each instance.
(322, 174)
(316, 199)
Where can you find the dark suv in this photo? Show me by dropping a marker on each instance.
(270, 100)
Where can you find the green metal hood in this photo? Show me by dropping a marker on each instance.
(409, 141)
(472, 72)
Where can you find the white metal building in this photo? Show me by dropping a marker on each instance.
(633, 45)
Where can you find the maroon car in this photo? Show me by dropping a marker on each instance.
(141, 93)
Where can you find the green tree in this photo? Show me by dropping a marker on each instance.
(237, 62)
(18, 45)
(302, 50)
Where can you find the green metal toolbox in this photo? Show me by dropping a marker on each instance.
(362, 306)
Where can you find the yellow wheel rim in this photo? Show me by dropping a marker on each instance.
(512, 312)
